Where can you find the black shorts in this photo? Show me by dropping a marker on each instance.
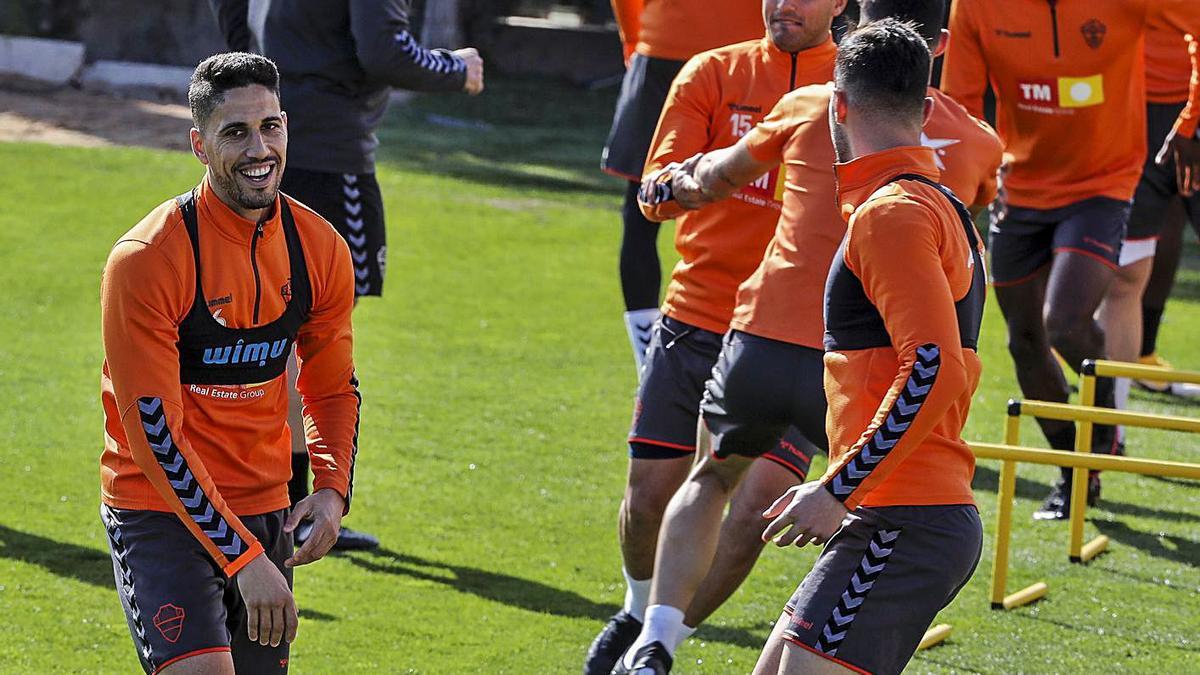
(353, 204)
(760, 387)
(177, 602)
(1158, 186)
(678, 361)
(1024, 240)
(643, 93)
(880, 582)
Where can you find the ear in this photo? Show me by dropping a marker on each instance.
(942, 42)
(927, 112)
(197, 143)
(839, 6)
(840, 106)
(283, 116)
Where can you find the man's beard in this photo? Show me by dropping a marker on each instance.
(248, 199)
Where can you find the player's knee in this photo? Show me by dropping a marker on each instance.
(646, 502)
(1026, 344)
(746, 524)
(1064, 328)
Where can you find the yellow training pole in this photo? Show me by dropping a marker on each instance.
(1076, 413)
(1145, 467)
(1138, 371)
(1026, 595)
(934, 636)
(1004, 505)
(1012, 424)
(1079, 476)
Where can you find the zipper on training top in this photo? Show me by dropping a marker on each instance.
(1054, 23)
(792, 80)
(258, 230)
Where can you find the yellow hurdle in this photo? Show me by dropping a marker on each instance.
(1010, 455)
(935, 636)
(1086, 416)
(1090, 370)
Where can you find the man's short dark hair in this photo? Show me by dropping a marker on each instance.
(883, 68)
(925, 15)
(221, 72)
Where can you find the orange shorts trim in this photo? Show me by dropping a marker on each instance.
(823, 655)
(785, 464)
(673, 446)
(198, 652)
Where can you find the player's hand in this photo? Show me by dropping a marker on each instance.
(325, 508)
(1186, 152)
(271, 614)
(684, 185)
(474, 61)
(656, 187)
(809, 510)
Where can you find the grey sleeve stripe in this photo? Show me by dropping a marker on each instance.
(436, 61)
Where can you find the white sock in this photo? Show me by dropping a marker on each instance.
(639, 324)
(637, 596)
(663, 624)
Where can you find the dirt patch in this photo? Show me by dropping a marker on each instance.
(67, 116)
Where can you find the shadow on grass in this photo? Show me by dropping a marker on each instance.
(1181, 550)
(1142, 639)
(314, 615)
(526, 594)
(1143, 579)
(987, 479)
(924, 657)
(65, 560)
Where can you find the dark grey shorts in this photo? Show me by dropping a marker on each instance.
(1024, 240)
(177, 602)
(353, 204)
(643, 93)
(758, 389)
(679, 360)
(1158, 186)
(881, 581)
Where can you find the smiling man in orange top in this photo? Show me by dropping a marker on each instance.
(903, 307)
(1070, 108)
(719, 96)
(658, 37)
(201, 304)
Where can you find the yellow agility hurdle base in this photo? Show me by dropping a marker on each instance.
(935, 636)
(1010, 455)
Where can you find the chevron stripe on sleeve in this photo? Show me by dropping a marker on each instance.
(116, 540)
(883, 542)
(187, 489)
(433, 60)
(906, 408)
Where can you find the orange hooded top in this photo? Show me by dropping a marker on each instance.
(226, 446)
(1070, 89)
(896, 412)
(783, 298)
(718, 97)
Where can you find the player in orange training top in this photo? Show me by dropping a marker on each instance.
(658, 37)
(718, 97)
(903, 308)
(770, 372)
(1070, 108)
(201, 303)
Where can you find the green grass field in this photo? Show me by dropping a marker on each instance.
(497, 389)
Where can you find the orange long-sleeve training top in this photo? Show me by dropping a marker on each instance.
(783, 298)
(718, 97)
(680, 29)
(1189, 117)
(1069, 78)
(227, 447)
(1168, 70)
(901, 366)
